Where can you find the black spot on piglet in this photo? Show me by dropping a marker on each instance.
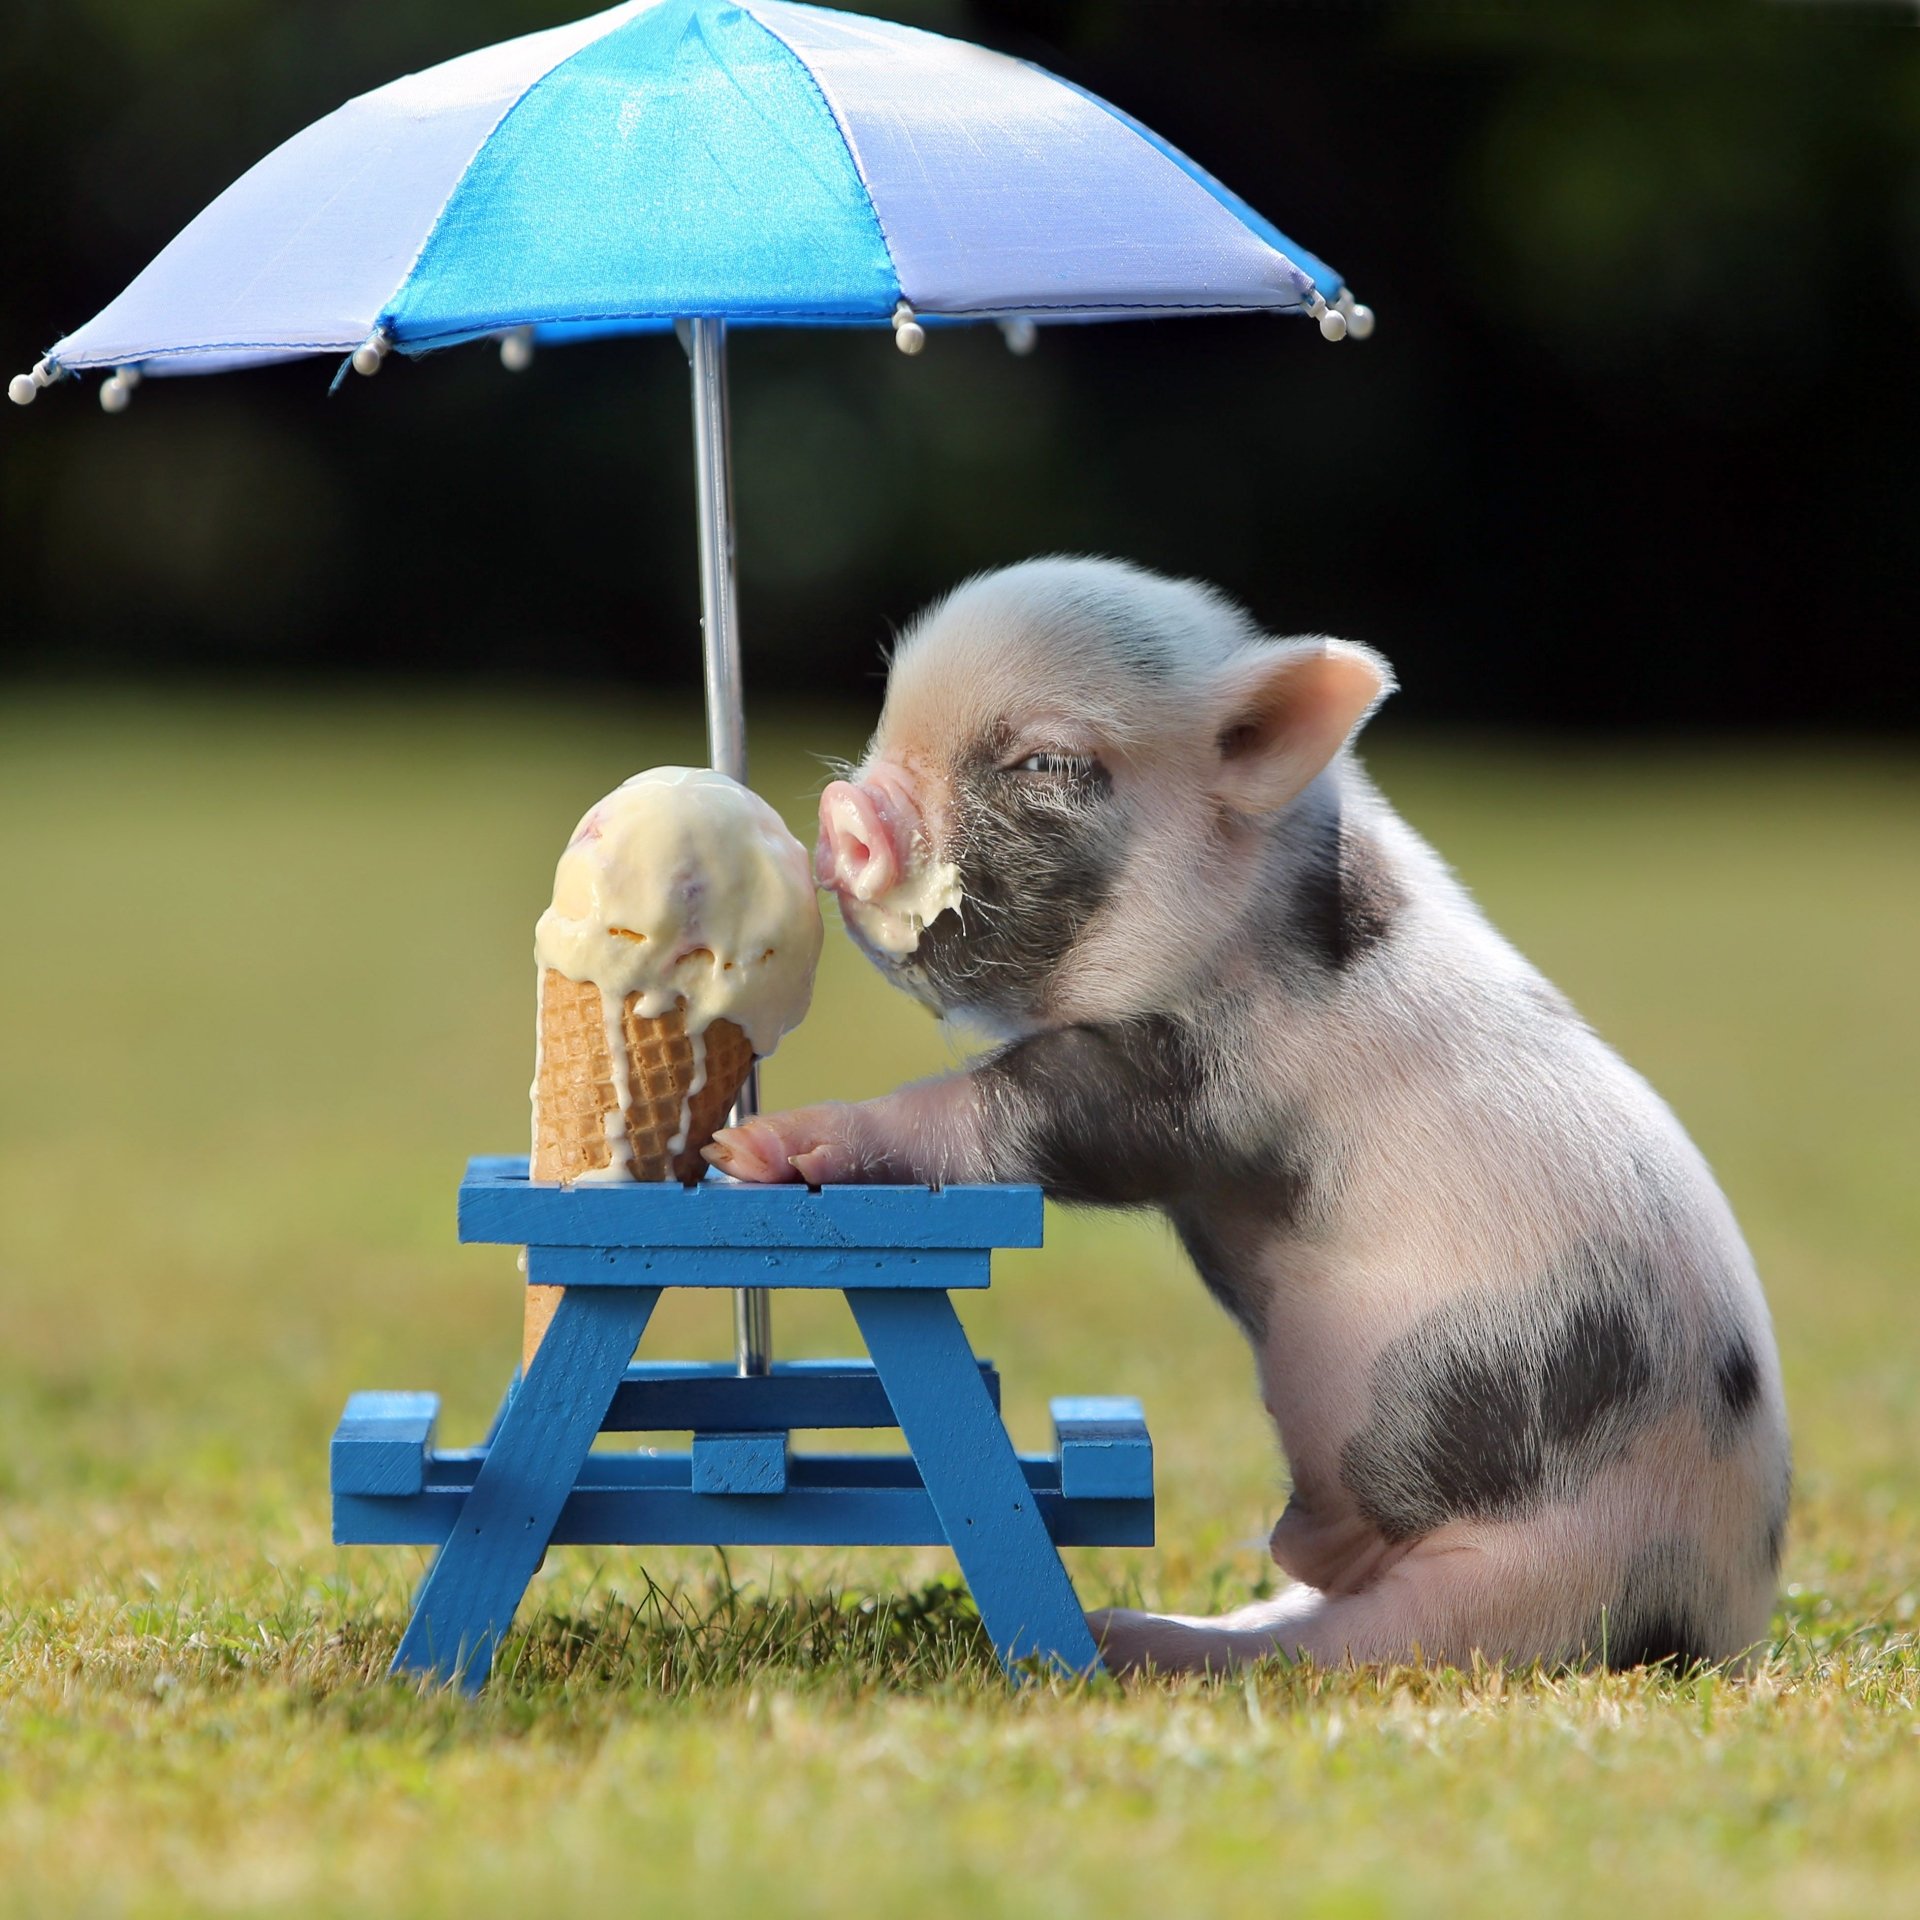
(1738, 1377)
(1100, 1114)
(1730, 1391)
(1656, 1615)
(1491, 1405)
(1338, 901)
(1656, 1637)
(1119, 1115)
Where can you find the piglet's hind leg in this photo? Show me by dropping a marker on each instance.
(1133, 1642)
(1498, 1591)
(1515, 1593)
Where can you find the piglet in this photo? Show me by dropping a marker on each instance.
(1515, 1347)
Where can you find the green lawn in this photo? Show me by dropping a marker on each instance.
(266, 981)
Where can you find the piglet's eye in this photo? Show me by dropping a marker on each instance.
(1056, 763)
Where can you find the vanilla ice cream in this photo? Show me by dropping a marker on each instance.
(682, 886)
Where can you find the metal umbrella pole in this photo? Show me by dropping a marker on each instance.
(706, 343)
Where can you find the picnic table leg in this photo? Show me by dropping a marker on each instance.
(543, 1436)
(973, 1476)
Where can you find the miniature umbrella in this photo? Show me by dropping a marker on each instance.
(698, 163)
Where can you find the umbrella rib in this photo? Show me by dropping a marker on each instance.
(384, 316)
(839, 127)
(367, 164)
(772, 127)
(1201, 177)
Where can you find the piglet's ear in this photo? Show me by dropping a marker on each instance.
(1288, 711)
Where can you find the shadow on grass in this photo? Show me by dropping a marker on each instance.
(684, 1640)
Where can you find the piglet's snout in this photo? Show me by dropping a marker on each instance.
(866, 839)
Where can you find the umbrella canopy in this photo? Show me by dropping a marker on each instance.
(749, 160)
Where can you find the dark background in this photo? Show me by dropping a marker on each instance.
(1636, 445)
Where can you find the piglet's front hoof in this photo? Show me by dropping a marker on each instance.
(809, 1144)
(752, 1151)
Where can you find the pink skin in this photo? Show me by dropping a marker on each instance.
(870, 840)
(929, 1133)
(869, 830)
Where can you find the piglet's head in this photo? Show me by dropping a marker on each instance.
(1073, 791)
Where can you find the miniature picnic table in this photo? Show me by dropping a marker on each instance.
(897, 1253)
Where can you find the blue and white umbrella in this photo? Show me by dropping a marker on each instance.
(698, 163)
(752, 160)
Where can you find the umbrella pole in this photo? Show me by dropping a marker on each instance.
(706, 343)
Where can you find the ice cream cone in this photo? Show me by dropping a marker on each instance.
(664, 1118)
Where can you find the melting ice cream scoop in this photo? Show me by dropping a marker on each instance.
(683, 884)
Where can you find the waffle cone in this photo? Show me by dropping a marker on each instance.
(576, 1088)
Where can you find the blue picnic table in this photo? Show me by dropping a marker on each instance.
(897, 1253)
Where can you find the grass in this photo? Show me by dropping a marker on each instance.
(266, 983)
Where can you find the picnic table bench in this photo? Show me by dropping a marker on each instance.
(897, 1253)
